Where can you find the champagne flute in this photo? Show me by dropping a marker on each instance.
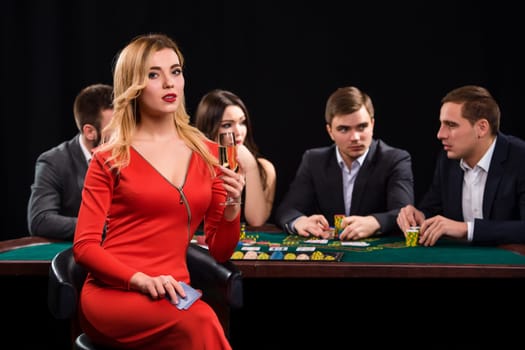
(228, 157)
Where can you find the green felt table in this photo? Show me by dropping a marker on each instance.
(384, 249)
(390, 249)
(383, 257)
(38, 251)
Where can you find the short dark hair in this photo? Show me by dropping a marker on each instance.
(477, 103)
(347, 100)
(90, 102)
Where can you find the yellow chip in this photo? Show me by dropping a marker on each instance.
(289, 256)
(263, 256)
(237, 255)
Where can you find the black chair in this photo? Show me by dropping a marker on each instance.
(221, 284)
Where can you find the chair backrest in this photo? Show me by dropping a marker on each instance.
(65, 281)
(219, 282)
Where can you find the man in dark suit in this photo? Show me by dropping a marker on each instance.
(56, 192)
(478, 190)
(360, 177)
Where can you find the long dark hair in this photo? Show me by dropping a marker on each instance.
(208, 119)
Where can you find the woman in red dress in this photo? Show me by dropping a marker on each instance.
(150, 187)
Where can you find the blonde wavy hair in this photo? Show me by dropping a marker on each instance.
(129, 79)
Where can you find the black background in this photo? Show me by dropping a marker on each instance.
(283, 58)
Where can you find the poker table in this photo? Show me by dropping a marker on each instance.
(452, 295)
(378, 257)
(381, 285)
(381, 257)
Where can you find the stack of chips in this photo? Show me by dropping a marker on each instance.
(243, 231)
(338, 218)
(412, 236)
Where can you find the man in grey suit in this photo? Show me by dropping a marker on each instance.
(56, 192)
(358, 176)
(478, 190)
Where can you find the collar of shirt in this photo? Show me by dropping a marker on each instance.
(484, 162)
(342, 163)
(84, 149)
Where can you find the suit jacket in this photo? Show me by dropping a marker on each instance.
(56, 192)
(503, 201)
(384, 184)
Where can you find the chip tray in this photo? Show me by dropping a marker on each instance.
(316, 255)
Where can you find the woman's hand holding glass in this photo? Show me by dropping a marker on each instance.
(233, 184)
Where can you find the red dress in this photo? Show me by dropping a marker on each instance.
(150, 223)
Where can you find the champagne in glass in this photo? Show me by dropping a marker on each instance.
(228, 156)
(228, 150)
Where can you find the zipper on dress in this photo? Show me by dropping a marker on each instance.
(184, 200)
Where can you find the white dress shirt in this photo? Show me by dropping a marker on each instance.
(349, 176)
(474, 180)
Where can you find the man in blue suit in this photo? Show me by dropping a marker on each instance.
(56, 192)
(478, 190)
(358, 176)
